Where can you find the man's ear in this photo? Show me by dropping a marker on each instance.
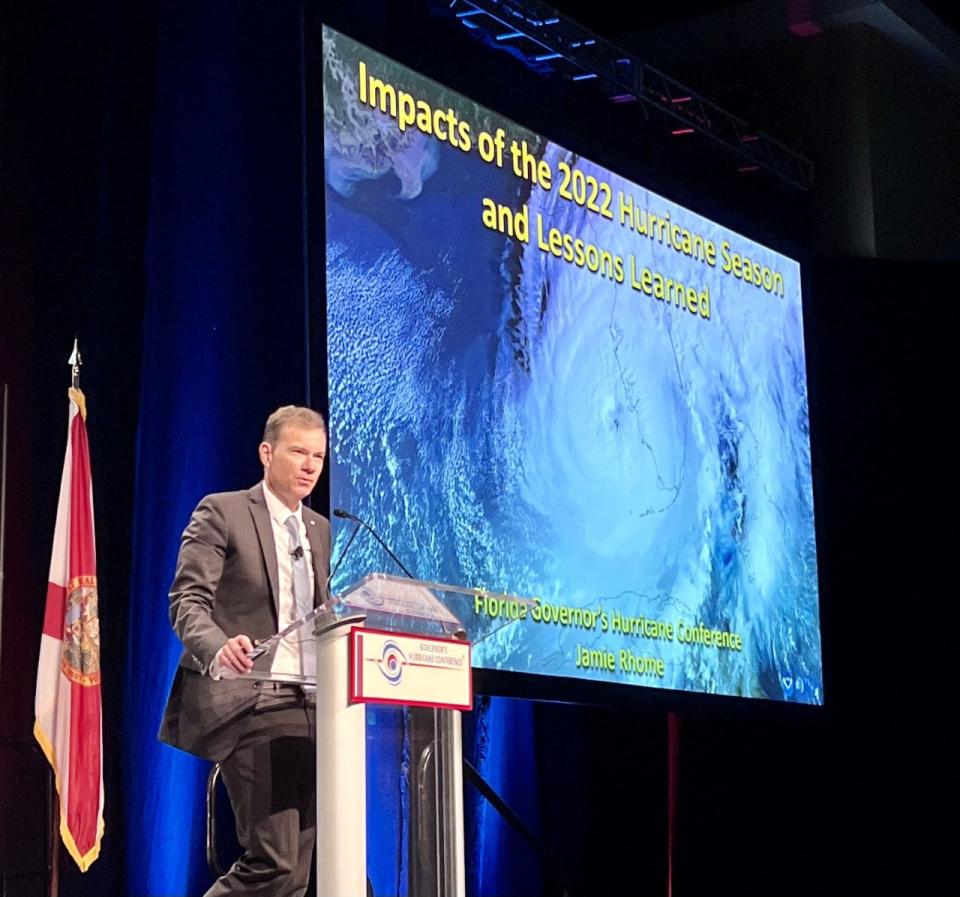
(266, 453)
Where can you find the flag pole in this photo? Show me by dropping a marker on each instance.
(53, 799)
(76, 362)
(53, 809)
(68, 722)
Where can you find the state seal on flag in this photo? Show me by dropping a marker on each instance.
(80, 661)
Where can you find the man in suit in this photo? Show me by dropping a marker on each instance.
(251, 562)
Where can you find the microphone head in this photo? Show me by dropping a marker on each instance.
(343, 515)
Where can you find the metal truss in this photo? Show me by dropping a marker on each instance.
(549, 42)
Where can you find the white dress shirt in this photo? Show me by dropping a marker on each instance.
(296, 654)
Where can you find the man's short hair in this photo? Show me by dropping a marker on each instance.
(292, 414)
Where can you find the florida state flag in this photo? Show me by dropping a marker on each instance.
(67, 706)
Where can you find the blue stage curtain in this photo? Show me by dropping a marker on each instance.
(499, 739)
(222, 347)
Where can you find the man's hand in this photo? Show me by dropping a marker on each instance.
(232, 659)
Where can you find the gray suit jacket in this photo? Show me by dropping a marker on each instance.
(226, 583)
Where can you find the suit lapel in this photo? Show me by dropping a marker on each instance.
(268, 546)
(318, 553)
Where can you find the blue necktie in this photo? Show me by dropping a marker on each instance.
(301, 576)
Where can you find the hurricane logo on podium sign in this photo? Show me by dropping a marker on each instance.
(392, 662)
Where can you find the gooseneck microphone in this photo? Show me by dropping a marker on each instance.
(343, 554)
(459, 632)
(346, 515)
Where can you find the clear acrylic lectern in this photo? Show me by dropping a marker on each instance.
(423, 744)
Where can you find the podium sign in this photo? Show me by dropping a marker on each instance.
(419, 671)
